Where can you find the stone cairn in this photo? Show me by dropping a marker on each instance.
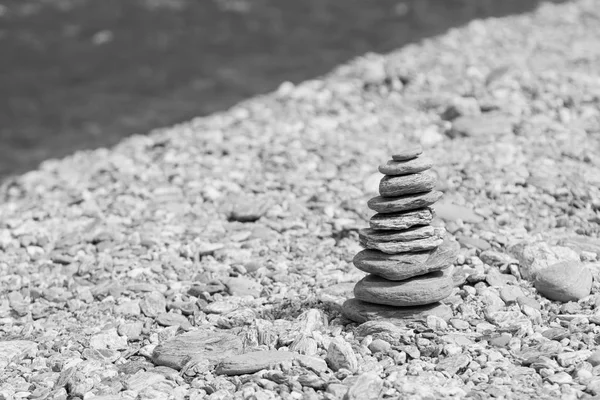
(406, 257)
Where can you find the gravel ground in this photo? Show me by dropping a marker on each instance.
(145, 270)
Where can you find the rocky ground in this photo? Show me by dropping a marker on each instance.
(210, 259)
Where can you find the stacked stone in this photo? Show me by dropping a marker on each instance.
(406, 257)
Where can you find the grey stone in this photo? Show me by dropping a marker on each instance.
(361, 312)
(453, 364)
(509, 294)
(368, 236)
(397, 267)
(452, 212)
(403, 203)
(243, 286)
(153, 304)
(173, 319)
(582, 243)
(413, 166)
(471, 242)
(393, 186)
(197, 346)
(564, 281)
(420, 290)
(379, 346)
(340, 355)
(250, 363)
(398, 221)
(484, 125)
(368, 386)
(408, 153)
(495, 278)
(534, 257)
(416, 245)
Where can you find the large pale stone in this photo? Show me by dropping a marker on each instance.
(406, 167)
(361, 311)
(393, 186)
(403, 203)
(564, 281)
(397, 267)
(534, 257)
(399, 221)
(420, 290)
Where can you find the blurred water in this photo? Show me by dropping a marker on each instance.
(80, 74)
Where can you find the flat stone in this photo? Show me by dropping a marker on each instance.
(245, 209)
(420, 290)
(582, 243)
(397, 267)
(250, 363)
(417, 232)
(172, 319)
(408, 153)
(243, 286)
(386, 205)
(393, 186)
(391, 243)
(485, 125)
(153, 304)
(341, 355)
(564, 281)
(361, 312)
(473, 243)
(509, 294)
(400, 221)
(453, 364)
(413, 166)
(453, 212)
(196, 346)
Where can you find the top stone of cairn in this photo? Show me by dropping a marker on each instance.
(408, 153)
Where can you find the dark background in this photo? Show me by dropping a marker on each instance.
(77, 74)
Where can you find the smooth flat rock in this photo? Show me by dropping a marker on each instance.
(413, 166)
(400, 221)
(250, 363)
(393, 186)
(361, 312)
(484, 125)
(452, 212)
(386, 205)
(397, 267)
(408, 153)
(420, 290)
(396, 247)
(416, 232)
(195, 346)
(564, 281)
